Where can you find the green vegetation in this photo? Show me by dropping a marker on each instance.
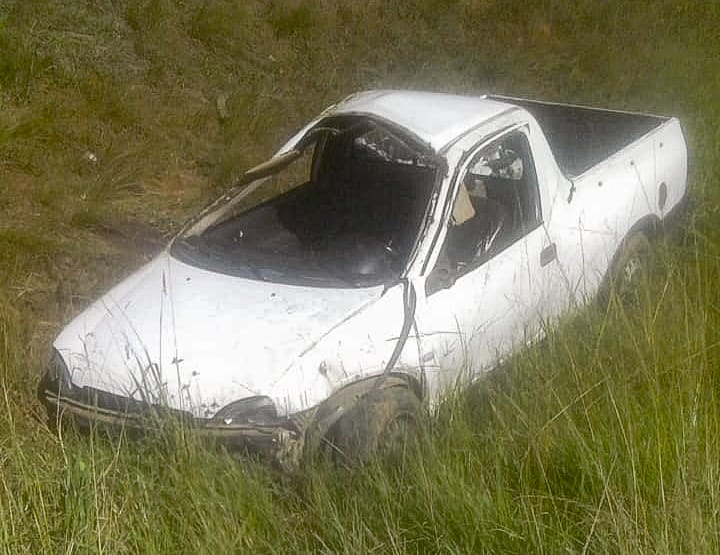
(118, 119)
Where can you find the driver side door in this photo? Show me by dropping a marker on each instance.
(477, 305)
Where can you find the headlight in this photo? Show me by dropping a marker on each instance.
(57, 373)
(252, 410)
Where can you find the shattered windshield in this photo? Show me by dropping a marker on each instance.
(342, 210)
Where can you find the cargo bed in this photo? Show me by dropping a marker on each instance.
(582, 137)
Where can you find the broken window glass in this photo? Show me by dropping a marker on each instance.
(378, 144)
(497, 203)
(344, 211)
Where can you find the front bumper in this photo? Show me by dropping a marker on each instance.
(93, 409)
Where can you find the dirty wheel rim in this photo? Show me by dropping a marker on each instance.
(634, 267)
(632, 270)
(398, 437)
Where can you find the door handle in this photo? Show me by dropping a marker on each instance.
(548, 254)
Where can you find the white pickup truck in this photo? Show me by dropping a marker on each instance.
(399, 241)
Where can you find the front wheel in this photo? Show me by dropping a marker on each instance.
(383, 423)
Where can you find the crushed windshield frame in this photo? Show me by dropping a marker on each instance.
(189, 247)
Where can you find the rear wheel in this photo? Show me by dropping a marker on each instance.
(382, 423)
(629, 271)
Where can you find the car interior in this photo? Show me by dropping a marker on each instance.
(497, 203)
(350, 208)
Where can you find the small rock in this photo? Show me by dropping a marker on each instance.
(90, 156)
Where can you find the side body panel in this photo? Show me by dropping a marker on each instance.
(471, 326)
(610, 199)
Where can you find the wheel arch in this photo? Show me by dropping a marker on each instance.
(650, 225)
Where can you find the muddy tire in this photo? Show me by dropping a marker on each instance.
(384, 423)
(629, 271)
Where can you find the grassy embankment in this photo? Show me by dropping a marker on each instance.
(119, 119)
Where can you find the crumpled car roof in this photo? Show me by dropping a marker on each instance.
(435, 118)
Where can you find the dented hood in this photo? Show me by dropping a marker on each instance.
(197, 340)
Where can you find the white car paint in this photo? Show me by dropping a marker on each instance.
(199, 340)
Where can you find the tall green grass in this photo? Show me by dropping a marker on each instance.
(601, 438)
